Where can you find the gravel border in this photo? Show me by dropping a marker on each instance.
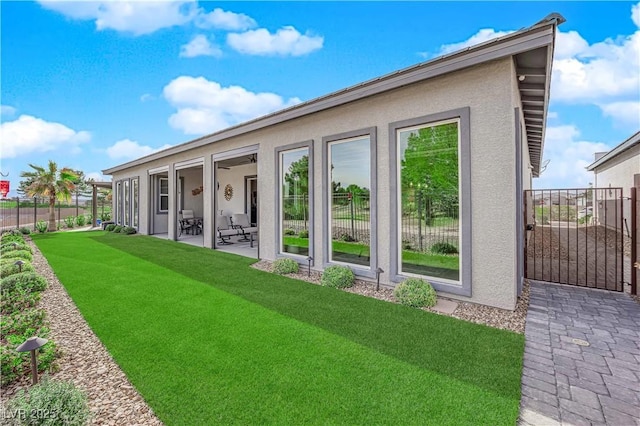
(472, 312)
(85, 361)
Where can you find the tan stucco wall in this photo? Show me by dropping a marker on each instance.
(618, 172)
(486, 90)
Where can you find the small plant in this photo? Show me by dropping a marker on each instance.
(285, 266)
(106, 216)
(69, 221)
(128, 230)
(416, 293)
(63, 401)
(444, 248)
(80, 220)
(12, 237)
(28, 281)
(110, 227)
(289, 231)
(304, 233)
(347, 238)
(117, 229)
(25, 231)
(337, 277)
(9, 267)
(18, 254)
(41, 226)
(13, 246)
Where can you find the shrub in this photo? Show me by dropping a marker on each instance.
(81, 220)
(12, 237)
(12, 246)
(285, 266)
(337, 276)
(64, 403)
(444, 248)
(110, 227)
(415, 292)
(25, 231)
(304, 234)
(30, 281)
(117, 229)
(24, 323)
(128, 230)
(42, 226)
(8, 267)
(289, 231)
(18, 254)
(106, 216)
(347, 238)
(16, 301)
(69, 221)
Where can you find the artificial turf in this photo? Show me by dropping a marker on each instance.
(206, 339)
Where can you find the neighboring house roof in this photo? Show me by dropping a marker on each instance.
(532, 47)
(624, 146)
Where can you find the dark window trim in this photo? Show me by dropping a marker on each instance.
(278, 151)
(371, 132)
(463, 115)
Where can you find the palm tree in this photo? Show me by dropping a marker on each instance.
(52, 183)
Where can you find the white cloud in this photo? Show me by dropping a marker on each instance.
(481, 36)
(624, 114)
(147, 97)
(224, 20)
(136, 17)
(97, 177)
(286, 41)
(199, 46)
(7, 111)
(588, 73)
(126, 149)
(635, 14)
(28, 135)
(569, 156)
(205, 106)
(552, 115)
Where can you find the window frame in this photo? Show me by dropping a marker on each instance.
(462, 116)
(360, 270)
(135, 202)
(279, 151)
(160, 195)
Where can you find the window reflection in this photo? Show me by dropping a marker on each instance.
(294, 202)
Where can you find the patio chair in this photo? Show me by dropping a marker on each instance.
(187, 222)
(225, 230)
(241, 222)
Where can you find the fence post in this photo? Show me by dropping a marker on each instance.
(420, 219)
(353, 229)
(58, 214)
(18, 213)
(35, 212)
(634, 240)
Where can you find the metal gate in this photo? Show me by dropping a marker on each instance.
(575, 237)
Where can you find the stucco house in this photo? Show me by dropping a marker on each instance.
(619, 168)
(418, 173)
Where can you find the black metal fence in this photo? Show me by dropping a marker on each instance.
(17, 212)
(426, 223)
(575, 236)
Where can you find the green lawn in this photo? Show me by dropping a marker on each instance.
(206, 339)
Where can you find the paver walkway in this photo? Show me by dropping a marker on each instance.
(566, 382)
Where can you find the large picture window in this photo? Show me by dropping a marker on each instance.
(134, 201)
(429, 200)
(163, 195)
(127, 205)
(118, 215)
(349, 203)
(295, 201)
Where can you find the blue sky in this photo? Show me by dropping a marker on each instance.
(94, 84)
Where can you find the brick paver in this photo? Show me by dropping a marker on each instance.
(565, 382)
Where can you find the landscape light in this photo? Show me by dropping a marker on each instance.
(19, 264)
(378, 272)
(31, 345)
(309, 260)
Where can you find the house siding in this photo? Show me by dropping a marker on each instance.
(487, 90)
